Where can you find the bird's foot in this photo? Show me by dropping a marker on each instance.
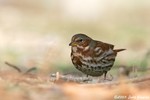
(108, 78)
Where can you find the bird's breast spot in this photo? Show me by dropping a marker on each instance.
(74, 61)
(87, 58)
(78, 55)
(74, 49)
(72, 56)
(86, 48)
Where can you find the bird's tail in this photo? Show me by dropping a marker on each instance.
(118, 50)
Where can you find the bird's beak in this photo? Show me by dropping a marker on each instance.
(72, 44)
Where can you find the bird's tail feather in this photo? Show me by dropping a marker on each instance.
(118, 50)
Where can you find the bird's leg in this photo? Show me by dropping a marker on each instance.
(105, 73)
(87, 75)
(105, 77)
(86, 79)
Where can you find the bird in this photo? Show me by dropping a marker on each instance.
(92, 57)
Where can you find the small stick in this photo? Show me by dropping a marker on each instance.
(67, 78)
(80, 79)
(13, 66)
(18, 69)
(29, 70)
(126, 81)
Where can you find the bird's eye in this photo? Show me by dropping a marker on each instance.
(80, 40)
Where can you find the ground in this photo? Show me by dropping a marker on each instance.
(66, 87)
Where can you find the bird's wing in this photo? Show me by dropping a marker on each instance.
(105, 55)
(104, 46)
(104, 51)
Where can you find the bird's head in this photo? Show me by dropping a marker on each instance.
(80, 40)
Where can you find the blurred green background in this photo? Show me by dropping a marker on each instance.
(37, 32)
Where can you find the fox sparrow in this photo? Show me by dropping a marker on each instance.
(92, 57)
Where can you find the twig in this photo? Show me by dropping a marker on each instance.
(136, 80)
(82, 80)
(29, 70)
(70, 78)
(13, 66)
(18, 69)
(125, 81)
